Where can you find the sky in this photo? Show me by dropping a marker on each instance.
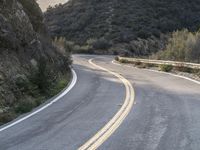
(45, 3)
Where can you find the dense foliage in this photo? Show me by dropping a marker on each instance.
(182, 46)
(32, 69)
(121, 21)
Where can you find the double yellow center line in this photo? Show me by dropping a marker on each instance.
(103, 134)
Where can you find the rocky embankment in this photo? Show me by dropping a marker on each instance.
(29, 63)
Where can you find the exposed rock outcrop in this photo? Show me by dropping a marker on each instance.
(25, 47)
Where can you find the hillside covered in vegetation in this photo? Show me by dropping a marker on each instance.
(182, 46)
(137, 27)
(30, 65)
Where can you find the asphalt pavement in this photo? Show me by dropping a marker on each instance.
(165, 114)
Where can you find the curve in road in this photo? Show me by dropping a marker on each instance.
(115, 122)
(165, 115)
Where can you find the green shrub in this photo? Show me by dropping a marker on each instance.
(146, 65)
(42, 77)
(166, 68)
(183, 69)
(182, 46)
(6, 117)
(40, 99)
(137, 63)
(142, 65)
(65, 47)
(117, 58)
(101, 44)
(25, 86)
(25, 105)
(123, 61)
(151, 65)
(85, 49)
(59, 86)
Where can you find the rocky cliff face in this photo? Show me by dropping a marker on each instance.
(26, 54)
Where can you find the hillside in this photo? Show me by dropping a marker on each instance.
(122, 21)
(44, 4)
(29, 64)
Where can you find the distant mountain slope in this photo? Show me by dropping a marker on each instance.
(122, 21)
(44, 4)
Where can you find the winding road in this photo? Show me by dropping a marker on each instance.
(112, 107)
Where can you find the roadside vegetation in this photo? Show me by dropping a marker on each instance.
(182, 46)
(177, 69)
(166, 68)
(32, 67)
(33, 90)
(137, 28)
(92, 46)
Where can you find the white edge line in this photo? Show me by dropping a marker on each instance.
(175, 75)
(72, 84)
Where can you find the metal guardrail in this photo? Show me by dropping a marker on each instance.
(162, 62)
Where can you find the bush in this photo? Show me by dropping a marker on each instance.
(137, 63)
(25, 105)
(151, 65)
(101, 44)
(182, 46)
(146, 65)
(42, 77)
(85, 49)
(60, 85)
(64, 46)
(6, 117)
(166, 68)
(142, 65)
(123, 61)
(183, 69)
(117, 58)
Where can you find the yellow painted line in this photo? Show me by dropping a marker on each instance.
(103, 134)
